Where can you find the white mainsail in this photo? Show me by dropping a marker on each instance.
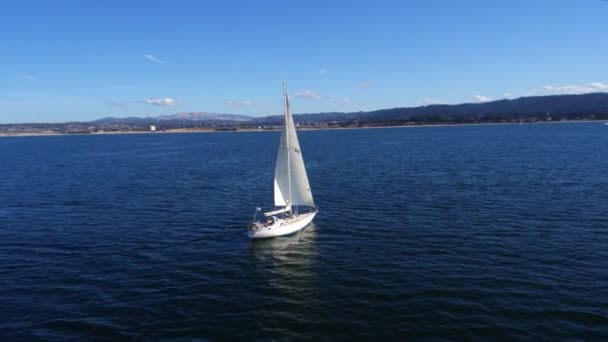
(291, 185)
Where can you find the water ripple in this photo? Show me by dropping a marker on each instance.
(424, 233)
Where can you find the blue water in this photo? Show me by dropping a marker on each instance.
(470, 232)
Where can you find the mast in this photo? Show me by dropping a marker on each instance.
(286, 101)
(291, 186)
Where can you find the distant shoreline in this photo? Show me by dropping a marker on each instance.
(189, 130)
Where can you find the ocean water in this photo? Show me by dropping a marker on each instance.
(469, 232)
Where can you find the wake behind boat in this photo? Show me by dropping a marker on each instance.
(292, 195)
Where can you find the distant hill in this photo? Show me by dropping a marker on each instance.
(525, 109)
(177, 117)
(312, 118)
(202, 116)
(569, 107)
(556, 107)
(130, 119)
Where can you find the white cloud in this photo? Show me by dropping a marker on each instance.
(153, 59)
(28, 77)
(592, 87)
(507, 94)
(233, 103)
(313, 95)
(576, 88)
(481, 98)
(155, 102)
(338, 98)
(363, 84)
(115, 103)
(161, 102)
(598, 85)
(430, 101)
(322, 71)
(307, 94)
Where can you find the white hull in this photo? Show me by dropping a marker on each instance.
(283, 227)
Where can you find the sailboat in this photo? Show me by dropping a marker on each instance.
(294, 205)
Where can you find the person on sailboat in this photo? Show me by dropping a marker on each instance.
(269, 222)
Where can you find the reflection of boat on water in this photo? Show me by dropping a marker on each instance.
(300, 243)
(292, 195)
(285, 271)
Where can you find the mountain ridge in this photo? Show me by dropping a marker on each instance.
(181, 116)
(590, 106)
(568, 106)
(558, 106)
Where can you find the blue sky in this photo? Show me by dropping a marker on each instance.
(82, 60)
